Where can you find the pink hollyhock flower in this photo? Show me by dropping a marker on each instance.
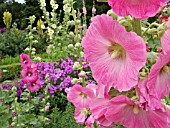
(90, 121)
(117, 53)
(146, 100)
(80, 96)
(159, 77)
(140, 9)
(84, 10)
(34, 86)
(29, 75)
(47, 108)
(163, 19)
(126, 112)
(93, 10)
(25, 60)
(165, 39)
(98, 109)
(80, 115)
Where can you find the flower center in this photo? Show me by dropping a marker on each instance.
(29, 73)
(166, 68)
(33, 84)
(25, 61)
(83, 95)
(116, 51)
(136, 109)
(84, 111)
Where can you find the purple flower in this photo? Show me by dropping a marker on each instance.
(2, 30)
(14, 114)
(19, 93)
(6, 87)
(51, 89)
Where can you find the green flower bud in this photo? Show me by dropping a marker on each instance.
(127, 25)
(161, 29)
(112, 14)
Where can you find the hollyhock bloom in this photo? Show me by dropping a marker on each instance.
(89, 122)
(84, 10)
(123, 110)
(159, 77)
(47, 108)
(34, 86)
(118, 56)
(29, 75)
(93, 10)
(147, 100)
(80, 115)
(163, 19)
(140, 9)
(165, 40)
(80, 96)
(25, 60)
(98, 109)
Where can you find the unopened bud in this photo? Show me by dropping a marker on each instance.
(112, 14)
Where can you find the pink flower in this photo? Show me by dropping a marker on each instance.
(165, 40)
(93, 10)
(80, 96)
(25, 60)
(159, 50)
(126, 112)
(140, 9)
(146, 99)
(84, 10)
(29, 75)
(89, 122)
(47, 108)
(34, 86)
(115, 55)
(80, 115)
(98, 109)
(159, 77)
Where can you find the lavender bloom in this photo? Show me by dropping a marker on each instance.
(19, 93)
(2, 30)
(6, 86)
(51, 89)
(14, 114)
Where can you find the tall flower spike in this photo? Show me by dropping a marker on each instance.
(115, 55)
(140, 9)
(159, 77)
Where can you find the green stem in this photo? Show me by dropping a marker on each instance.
(137, 27)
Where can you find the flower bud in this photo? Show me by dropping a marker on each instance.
(76, 66)
(161, 29)
(112, 14)
(127, 25)
(70, 46)
(74, 81)
(77, 45)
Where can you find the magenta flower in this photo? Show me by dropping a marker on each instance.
(165, 40)
(25, 60)
(34, 86)
(126, 112)
(80, 96)
(29, 75)
(159, 77)
(140, 9)
(115, 55)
